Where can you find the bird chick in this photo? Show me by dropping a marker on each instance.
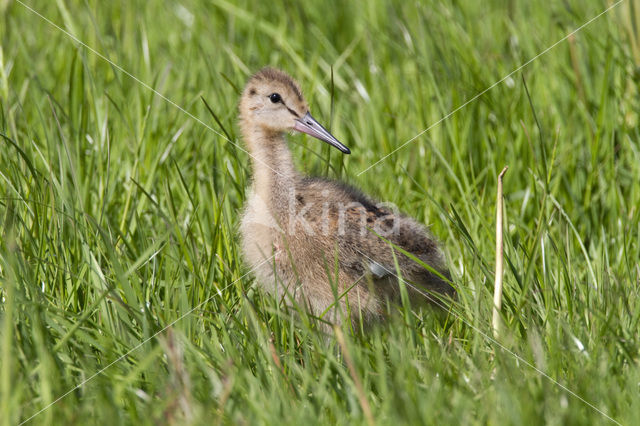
(320, 242)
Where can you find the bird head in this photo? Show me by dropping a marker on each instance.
(273, 101)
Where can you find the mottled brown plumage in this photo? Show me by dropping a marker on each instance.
(306, 226)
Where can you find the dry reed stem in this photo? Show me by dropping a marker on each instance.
(497, 290)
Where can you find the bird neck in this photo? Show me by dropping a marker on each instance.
(273, 170)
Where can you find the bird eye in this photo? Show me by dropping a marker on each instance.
(275, 98)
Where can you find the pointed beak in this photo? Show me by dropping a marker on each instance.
(310, 126)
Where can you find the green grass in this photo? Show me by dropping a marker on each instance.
(119, 212)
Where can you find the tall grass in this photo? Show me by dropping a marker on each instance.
(119, 212)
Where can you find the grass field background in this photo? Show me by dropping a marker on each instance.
(119, 211)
